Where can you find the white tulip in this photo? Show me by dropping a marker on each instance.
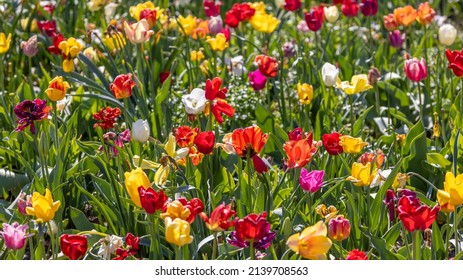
(195, 102)
(331, 13)
(329, 74)
(141, 131)
(447, 34)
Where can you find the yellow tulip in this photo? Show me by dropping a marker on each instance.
(43, 207)
(115, 42)
(133, 180)
(196, 55)
(305, 93)
(362, 175)
(4, 42)
(187, 24)
(352, 145)
(357, 84)
(178, 232)
(175, 210)
(311, 243)
(219, 43)
(57, 89)
(70, 49)
(264, 22)
(258, 6)
(452, 195)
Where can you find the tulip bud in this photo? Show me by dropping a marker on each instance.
(416, 69)
(329, 74)
(257, 80)
(339, 228)
(331, 13)
(140, 131)
(447, 34)
(396, 39)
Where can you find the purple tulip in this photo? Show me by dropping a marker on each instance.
(14, 235)
(257, 80)
(29, 111)
(311, 181)
(396, 39)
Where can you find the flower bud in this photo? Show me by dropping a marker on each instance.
(140, 131)
(329, 74)
(331, 13)
(447, 34)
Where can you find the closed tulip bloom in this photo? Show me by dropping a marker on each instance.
(369, 7)
(329, 74)
(311, 243)
(305, 93)
(43, 207)
(415, 216)
(122, 86)
(215, 25)
(268, 65)
(151, 201)
(150, 16)
(314, 18)
(211, 8)
(331, 13)
(356, 255)
(252, 228)
(220, 218)
(396, 39)
(447, 34)
(350, 8)
(30, 47)
(74, 246)
(4, 42)
(362, 175)
(455, 59)
(205, 142)
(405, 15)
(358, 83)
(425, 14)
(141, 131)
(57, 89)
(219, 43)
(133, 180)
(178, 232)
(14, 235)
(331, 143)
(415, 69)
(311, 181)
(257, 80)
(139, 32)
(452, 195)
(339, 228)
(352, 145)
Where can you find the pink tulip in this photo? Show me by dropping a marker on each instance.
(415, 69)
(14, 235)
(311, 181)
(257, 80)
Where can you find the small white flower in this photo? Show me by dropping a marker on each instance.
(329, 74)
(195, 102)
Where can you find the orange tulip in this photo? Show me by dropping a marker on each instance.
(405, 15)
(268, 65)
(248, 141)
(425, 13)
(299, 152)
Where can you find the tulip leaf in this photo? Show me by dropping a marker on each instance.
(359, 123)
(437, 244)
(202, 243)
(438, 160)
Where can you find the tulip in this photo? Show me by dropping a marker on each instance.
(122, 86)
(452, 195)
(238, 13)
(352, 145)
(183, 209)
(327, 213)
(57, 89)
(24, 203)
(339, 228)
(369, 7)
(215, 25)
(220, 106)
(141, 131)
(415, 216)
(329, 74)
(389, 201)
(14, 235)
(91, 54)
(151, 201)
(292, 5)
(289, 49)
(220, 218)
(377, 157)
(219, 43)
(447, 34)
(257, 80)
(455, 59)
(205, 142)
(30, 47)
(389, 22)
(248, 141)
(115, 41)
(70, 49)
(133, 180)
(314, 19)
(311, 243)
(135, 11)
(350, 8)
(264, 22)
(43, 207)
(139, 32)
(187, 25)
(425, 14)
(311, 181)
(296, 134)
(74, 246)
(331, 143)
(396, 39)
(252, 228)
(362, 175)
(331, 13)
(373, 75)
(237, 65)
(356, 255)
(214, 89)
(150, 17)
(185, 135)
(178, 232)
(305, 93)
(47, 26)
(211, 8)
(405, 15)
(358, 83)
(106, 117)
(4, 42)
(195, 102)
(416, 69)
(268, 66)
(300, 152)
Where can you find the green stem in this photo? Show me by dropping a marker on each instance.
(455, 231)
(352, 118)
(416, 243)
(52, 240)
(252, 250)
(154, 239)
(420, 99)
(177, 252)
(215, 246)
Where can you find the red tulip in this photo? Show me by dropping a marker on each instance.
(314, 19)
(211, 8)
(122, 86)
(331, 143)
(415, 216)
(163, 76)
(369, 7)
(149, 15)
(356, 255)
(47, 26)
(74, 246)
(220, 218)
(238, 13)
(296, 134)
(268, 65)
(339, 228)
(252, 228)
(57, 39)
(185, 135)
(214, 90)
(292, 5)
(106, 117)
(455, 59)
(350, 8)
(416, 69)
(151, 200)
(205, 142)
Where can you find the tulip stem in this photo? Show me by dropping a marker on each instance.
(420, 100)
(352, 118)
(52, 240)
(455, 232)
(252, 250)
(154, 239)
(416, 243)
(215, 245)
